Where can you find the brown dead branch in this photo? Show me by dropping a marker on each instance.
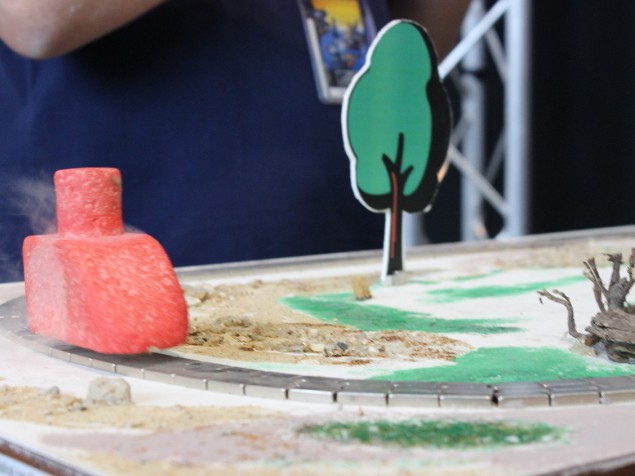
(561, 298)
(592, 275)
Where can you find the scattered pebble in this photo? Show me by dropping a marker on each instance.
(79, 406)
(336, 349)
(111, 391)
(195, 292)
(316, 347)
(53, 391)
(192, 301)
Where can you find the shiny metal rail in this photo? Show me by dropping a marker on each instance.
(208, 376)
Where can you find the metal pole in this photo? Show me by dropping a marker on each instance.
(517, 117)
(414, 233)
(473, 110)
(473, 37)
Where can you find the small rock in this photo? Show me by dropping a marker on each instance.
(360, 338)
(191, 301)
(342, 345)
(111, 391)
(217, 326)
(79, 406)
(316, 347)
(195, 292)
(338, 349)
(53, 391)
(256, 284)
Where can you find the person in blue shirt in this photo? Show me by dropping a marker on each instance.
(208, 107)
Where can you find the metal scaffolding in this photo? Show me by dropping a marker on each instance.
(468, 152)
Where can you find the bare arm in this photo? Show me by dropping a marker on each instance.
(46, 28)
(442, 19)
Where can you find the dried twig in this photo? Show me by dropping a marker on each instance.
(619, 287)
(593, 275)
(616, 259)
(562, 298)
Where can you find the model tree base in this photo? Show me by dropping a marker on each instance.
(613, 328)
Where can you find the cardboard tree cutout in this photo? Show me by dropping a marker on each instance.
(396, 123)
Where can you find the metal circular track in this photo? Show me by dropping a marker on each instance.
(215, 377)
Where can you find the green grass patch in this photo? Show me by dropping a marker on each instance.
(437, 433)
(453, 294)
(459, 279)
(514, 364)
(341, 308)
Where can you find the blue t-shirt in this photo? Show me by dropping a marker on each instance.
(210, 110)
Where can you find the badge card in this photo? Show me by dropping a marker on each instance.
(339, 33)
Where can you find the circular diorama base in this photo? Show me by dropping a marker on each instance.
(271, 406)
(464, 328)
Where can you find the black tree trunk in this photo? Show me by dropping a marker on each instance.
(394, 221)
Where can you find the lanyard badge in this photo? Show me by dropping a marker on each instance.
(339, 33)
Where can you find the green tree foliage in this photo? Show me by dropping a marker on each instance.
(396, 121)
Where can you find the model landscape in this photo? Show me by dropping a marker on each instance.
(466, 317)
(462, 314)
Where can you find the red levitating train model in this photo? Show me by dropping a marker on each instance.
(95, 286)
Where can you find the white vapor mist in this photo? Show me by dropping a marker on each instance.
(29, 200)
